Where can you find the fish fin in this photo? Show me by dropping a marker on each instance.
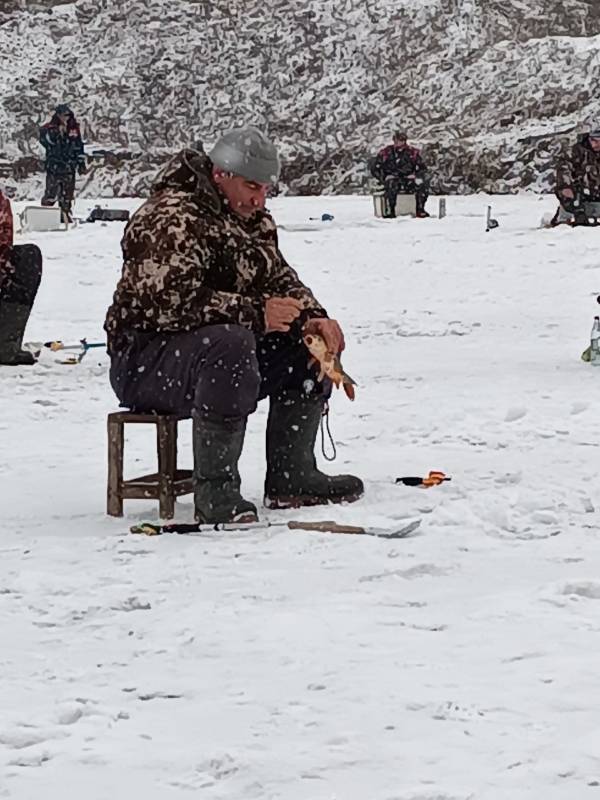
(349, 389)
(342, 371)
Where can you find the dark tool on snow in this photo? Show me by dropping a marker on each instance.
(433, 479)
(323, 218)
(325, 526)
(490, 223)
(99, 214)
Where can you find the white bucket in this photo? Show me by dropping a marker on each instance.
(41, 218)
(406, 205)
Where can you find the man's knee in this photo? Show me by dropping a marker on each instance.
(407, 187)
(227, 344)
(29, 254)
(229, 379)
(25, 280)
(27, 260)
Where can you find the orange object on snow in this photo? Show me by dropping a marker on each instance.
(434, 478)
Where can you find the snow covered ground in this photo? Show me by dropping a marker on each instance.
(460, 663)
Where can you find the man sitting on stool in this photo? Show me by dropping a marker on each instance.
(208, 318)
(20, 275)
(401, 169)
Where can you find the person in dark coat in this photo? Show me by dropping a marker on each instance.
(20, 275)
(578, 179)
(61, 139)
(400, 168)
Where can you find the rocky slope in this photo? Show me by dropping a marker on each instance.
(491, 89)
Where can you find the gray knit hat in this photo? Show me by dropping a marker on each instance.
(247, 152)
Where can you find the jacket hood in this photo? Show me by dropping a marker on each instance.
(190, 171)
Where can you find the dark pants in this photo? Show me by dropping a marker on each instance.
(60, 185)
(22, 285)
(219, 370)
(395, 185)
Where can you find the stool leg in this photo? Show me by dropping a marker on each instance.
(167, 466)
(114, 495)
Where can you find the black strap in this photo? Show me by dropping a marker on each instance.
(325, 426)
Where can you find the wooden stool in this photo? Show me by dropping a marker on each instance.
(164, 485)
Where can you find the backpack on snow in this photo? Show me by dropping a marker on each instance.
(108, 215)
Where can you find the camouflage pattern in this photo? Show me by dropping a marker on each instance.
(189, 261)
(580, 172)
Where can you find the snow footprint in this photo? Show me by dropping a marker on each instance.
(30, 759)
(453, 711)
(589, 589)
(431, 795)
(514, 413)
(24, 737)
(207, 774)
(30, 745)
(579, 407)
(418, 571)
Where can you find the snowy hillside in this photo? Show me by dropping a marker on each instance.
(460, 664)
(490, 88)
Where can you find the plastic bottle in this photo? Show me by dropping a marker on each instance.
(595, 343)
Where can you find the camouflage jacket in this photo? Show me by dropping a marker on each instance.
(6, 239)
(190, 261)
(581, 171)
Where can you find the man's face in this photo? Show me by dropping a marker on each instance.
(595, 144)
(64, 118)
(245, 197)
(399, 141)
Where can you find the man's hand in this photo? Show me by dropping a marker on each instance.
(568, 193)
(329, 330)
(280, 312)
